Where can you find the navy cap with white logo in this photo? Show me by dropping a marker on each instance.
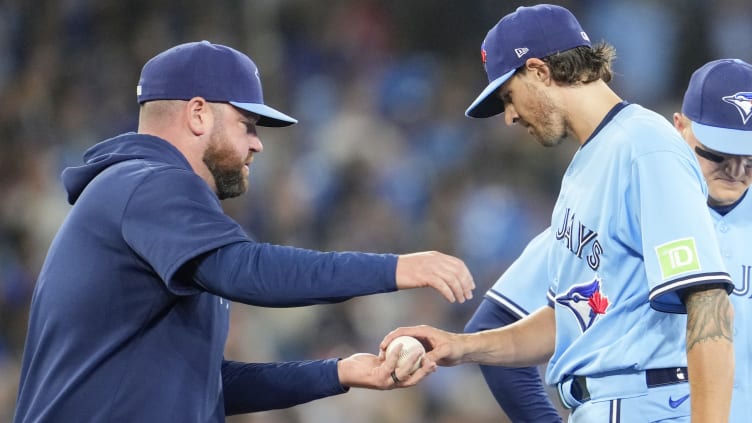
(718, 101)
(212, 71)
(536, 31)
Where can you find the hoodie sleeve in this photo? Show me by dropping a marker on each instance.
(252, 387)
(174, 218)
(277, 276)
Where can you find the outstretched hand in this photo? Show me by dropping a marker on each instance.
(375, 372)
(444, 273)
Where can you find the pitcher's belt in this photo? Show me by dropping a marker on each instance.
(577, 389)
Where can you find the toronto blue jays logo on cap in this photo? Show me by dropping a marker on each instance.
(712, 91)
(585, 301)
(743, 103)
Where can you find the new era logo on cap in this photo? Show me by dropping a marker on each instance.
(536, 31)
(718, 101)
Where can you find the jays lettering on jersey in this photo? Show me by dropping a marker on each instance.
(521, 289)
(118, 333)
(629, 229)
(734, 230)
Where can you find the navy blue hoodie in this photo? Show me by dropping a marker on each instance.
(130, 314)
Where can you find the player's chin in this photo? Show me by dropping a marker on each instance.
(236, 189)
(723, 199)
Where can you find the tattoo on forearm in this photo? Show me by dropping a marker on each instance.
(709, 316)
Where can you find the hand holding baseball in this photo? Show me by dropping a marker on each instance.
(444, 273)
(400, 367)
(444, 348)
(410, 354)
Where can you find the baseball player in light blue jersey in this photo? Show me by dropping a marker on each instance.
(519, 291)
(716, 122)
(638, 325)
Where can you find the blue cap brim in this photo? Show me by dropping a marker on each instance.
(724, 140)
(267, 115)
(487, 104)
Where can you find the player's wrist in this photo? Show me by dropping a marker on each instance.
(478, 347)
(344, 370)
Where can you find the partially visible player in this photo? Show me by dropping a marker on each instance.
(519, 291)
(716, 122)
(719, 99)
(638, 325)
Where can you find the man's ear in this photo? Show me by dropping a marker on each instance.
(199, 115)
(683, 126)
(538, 69)
(678, 122)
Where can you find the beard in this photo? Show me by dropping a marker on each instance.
(550, 136)
(550, 127)
(226, 168)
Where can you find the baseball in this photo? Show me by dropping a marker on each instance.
(408, 345)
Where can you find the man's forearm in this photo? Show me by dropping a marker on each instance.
(527, 342)
(710, 354)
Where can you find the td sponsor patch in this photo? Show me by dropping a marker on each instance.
(677, 257)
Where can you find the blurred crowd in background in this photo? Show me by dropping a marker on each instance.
(383, 158)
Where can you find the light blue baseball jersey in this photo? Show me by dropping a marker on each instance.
(630, 228)
(521, 289)
(734, 231)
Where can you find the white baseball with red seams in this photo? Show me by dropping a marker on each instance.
(409, 344)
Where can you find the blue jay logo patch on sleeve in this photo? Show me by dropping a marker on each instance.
(585, 301)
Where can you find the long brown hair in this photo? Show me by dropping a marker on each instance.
(582, 64)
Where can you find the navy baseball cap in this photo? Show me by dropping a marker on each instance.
(718, 101)
(536, 31)
(212, 71)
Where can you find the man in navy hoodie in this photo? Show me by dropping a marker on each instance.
(130, 313)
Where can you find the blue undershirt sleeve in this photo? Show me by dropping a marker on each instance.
(518, 390)
(280, 276)
(252, 387)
